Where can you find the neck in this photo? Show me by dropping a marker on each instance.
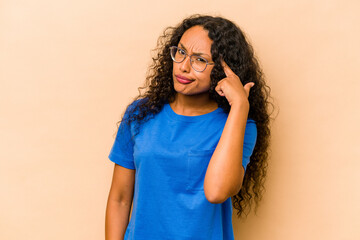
(193, 105)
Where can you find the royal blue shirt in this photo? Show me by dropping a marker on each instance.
(170, 154)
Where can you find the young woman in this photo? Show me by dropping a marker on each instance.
(195, 143)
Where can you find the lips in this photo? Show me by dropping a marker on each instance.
(183, 80)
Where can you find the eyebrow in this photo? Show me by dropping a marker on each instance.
(194, 53)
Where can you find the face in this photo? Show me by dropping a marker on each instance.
(187, 81)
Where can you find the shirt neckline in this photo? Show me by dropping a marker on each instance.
(184, 118)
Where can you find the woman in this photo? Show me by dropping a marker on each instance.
(183, 146)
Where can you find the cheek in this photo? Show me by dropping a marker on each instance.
(205, 79)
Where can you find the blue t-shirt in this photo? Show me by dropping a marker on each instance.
(170, 153)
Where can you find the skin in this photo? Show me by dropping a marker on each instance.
(193, 99)
(224, 174)
(119, 203)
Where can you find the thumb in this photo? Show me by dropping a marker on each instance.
(247, 87)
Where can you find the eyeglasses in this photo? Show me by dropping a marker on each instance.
(197, 62)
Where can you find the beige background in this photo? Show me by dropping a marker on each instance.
(68, 68)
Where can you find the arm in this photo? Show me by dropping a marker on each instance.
(225, 172)
(119, 203)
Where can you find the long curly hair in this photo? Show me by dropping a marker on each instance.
(231, 45)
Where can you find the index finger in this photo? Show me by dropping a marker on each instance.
(226, 68)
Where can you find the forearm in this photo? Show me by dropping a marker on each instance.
(116, 220)
(225, 173)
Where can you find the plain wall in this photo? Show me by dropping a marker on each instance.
(69, 68)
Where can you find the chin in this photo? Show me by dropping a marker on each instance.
(191, 92)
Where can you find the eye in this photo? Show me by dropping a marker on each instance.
(181, 51)
(200, 59)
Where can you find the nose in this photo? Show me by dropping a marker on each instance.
(185, 65)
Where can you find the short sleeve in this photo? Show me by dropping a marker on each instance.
(249, 141)
(122, 150)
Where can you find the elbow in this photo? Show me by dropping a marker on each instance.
(216, 197)
(220, 195)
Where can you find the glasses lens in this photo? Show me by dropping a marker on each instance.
(177, 54)
(198, 63)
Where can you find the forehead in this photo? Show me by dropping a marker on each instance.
(196, 39)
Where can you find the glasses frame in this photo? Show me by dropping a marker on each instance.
(173, 58)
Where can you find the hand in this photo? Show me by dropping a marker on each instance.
(232, 88)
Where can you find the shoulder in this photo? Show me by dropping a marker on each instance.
(134, 105)
(133, 108)
(251, 122)
(251, 130)
(249, 138)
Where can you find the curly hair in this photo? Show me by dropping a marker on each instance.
(231, 45)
